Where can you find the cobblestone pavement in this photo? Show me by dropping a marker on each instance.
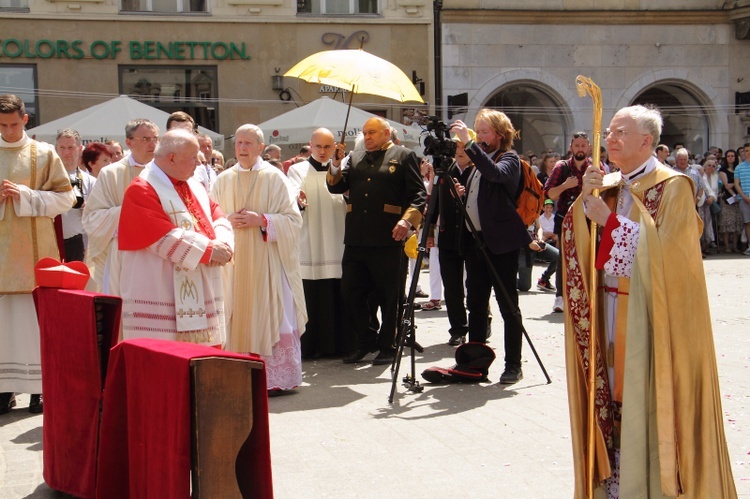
(337, 436)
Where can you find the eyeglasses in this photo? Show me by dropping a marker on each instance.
(147, 139)
(580, 135)
(619, 134)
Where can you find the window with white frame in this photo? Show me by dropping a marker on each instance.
(340, 7)
(163, 6)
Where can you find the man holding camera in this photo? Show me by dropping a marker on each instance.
(33, 190)
(490, 203)
(69, 148)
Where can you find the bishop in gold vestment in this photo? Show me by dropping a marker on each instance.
(659, 425)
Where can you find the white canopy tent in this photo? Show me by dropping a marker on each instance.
(296, 126)
(106, 121)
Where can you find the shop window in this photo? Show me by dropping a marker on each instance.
(175, 88)
(163, 6)
(14, 4)
(20, 80)
(337, 7)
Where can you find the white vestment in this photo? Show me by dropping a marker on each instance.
(158, 283)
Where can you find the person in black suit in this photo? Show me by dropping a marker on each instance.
(386, 198)
(490, 204)
(451, 232)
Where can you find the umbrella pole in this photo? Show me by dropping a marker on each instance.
(348, 110)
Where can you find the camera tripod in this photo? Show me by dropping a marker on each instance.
(407, 329)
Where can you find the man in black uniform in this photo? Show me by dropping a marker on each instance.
(451, 234)
(386, 198)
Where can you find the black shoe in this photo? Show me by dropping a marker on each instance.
(355, 356)
(511, 375)
(36, 406)
(385, 356)
(7, 402)
(421, 294)
(456, 340)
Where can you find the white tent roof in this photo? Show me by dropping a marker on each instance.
(296, 126)
(106, 121)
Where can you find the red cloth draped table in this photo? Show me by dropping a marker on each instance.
(77, 329)
(145, 437)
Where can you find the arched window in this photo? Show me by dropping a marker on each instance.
(685, 120)
(540, 117)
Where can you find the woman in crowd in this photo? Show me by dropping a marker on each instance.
(96, 156)
(116, 150)
(730, 217)
(546, 165)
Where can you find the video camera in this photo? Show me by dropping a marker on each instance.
(438, 140)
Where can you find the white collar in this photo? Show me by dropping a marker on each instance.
(646, 167)
(133, 162)
(19, 143)
(259, 165)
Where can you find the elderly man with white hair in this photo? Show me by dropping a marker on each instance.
(266, 303)
(173, 239)
(656, 408)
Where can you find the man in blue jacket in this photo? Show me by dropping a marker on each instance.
(490, 203)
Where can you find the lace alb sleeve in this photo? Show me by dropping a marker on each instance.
(621, 256)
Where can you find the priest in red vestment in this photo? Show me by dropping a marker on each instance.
(173, 240)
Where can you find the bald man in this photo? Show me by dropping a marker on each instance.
(387, 196)
(321, 248)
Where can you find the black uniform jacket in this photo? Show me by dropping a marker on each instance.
(384, 186)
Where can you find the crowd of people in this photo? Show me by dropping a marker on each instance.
(305, 258)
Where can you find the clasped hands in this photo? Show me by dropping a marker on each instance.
(9, 190)
(221, 254)
(244, 219)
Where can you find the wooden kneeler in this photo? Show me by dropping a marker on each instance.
(221, 422)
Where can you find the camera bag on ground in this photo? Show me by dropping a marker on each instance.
(473, 362)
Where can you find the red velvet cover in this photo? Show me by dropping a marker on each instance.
(145, 432)
(72, 384)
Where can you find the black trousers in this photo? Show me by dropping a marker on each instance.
(378, 270)
(452, 275)
(479, 285)
(324, 333)
(74, 249)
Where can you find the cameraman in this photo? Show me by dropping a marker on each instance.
(490, 204)
(69, 148)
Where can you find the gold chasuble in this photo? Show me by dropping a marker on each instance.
(254, 278)
(671, 436)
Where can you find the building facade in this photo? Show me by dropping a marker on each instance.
(214, 59)
(217, 59)
(690, 57)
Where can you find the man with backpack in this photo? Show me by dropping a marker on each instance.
(491, 194)
(564, 186)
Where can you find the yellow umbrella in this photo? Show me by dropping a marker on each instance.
(357, 71)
